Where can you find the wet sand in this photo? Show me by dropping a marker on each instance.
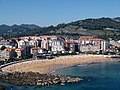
(47, 66)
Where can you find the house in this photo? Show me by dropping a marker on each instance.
(27, 50)
(35, 37)
(37, 51)
(56, 46)
(25, 38)
(34, 51)
(89, 43)
(115, 43)
(6, 44)
(8, 53)
(48, 37)
(29, 41)
(21, 43)
(70, 45)
(34, 43)
(20, 52)
(46, 42)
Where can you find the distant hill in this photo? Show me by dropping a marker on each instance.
(30, 26)
(102, 27)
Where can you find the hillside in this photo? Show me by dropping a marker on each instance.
(101, 27)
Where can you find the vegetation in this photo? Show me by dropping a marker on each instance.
(103, 27)
(91, 52)
(1, 62)
(9, 60)
(3, 48)
(14, 59)
(109, 53)
(27, 56)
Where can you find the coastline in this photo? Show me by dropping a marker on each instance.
(109, 65)
(49, 66)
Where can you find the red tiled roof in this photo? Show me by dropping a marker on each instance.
(9, 49)
(34, 48)
(48, 36)
(86, 37)
(19, 49)
(89, 38)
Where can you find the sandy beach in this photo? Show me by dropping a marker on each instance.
(47, 66)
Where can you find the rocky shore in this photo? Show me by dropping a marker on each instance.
(36, 79)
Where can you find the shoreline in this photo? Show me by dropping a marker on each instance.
(49, 66)
(54, 69)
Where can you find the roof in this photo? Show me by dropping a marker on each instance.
(25, 37)
(14, 38)
(85, 37)
(97, 39)
(48, 36)
(19, 49)
(89, 38)
(9, 49)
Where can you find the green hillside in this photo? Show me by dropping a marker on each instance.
(102, 27)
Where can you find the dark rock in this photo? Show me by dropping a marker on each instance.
(32, 78)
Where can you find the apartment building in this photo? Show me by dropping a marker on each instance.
(88, 43)
(20, 52)
(8, 53)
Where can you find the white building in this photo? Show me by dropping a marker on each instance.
(34, 43)
(88, 43)
(56, 46)
(21, 43)
(19, 52)
(6, 44)
(7, 54)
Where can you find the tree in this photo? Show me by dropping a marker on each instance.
(3, 48)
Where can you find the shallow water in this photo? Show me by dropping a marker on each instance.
(100, 76)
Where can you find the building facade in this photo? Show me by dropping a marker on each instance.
(8, 53)
(88, 43)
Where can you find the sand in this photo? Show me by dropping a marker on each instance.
(47, 66)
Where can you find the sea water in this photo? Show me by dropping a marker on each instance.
(98, 76)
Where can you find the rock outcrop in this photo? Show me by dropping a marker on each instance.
(37, 79)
